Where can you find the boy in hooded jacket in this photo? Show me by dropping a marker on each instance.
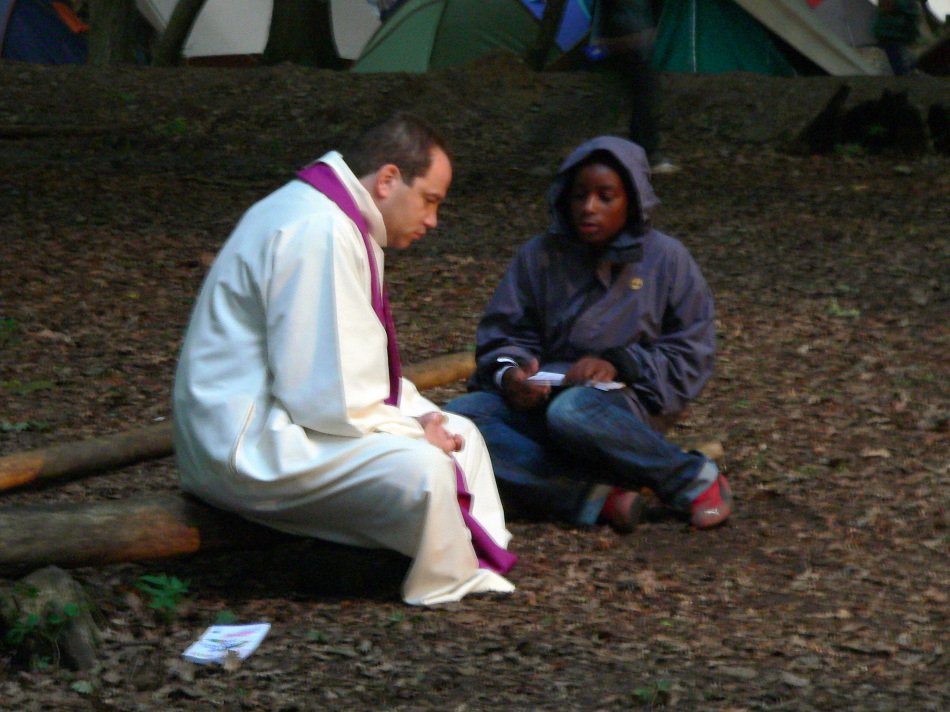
(624, 313)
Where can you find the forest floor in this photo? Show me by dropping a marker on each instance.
(828, 589)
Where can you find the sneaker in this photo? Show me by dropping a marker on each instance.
(663, 167)
(622, 510)
(713, 506)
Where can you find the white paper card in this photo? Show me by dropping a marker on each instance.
(606, 385)
(215, 643)
(546, 378)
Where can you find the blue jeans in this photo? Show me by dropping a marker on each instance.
(547, 461)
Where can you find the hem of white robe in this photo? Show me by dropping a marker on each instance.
(414, 591)
(482, 581)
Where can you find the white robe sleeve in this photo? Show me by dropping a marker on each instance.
(325, 344)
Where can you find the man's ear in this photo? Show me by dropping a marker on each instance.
(385, 180)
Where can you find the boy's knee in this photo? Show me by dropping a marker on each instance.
(570, 411)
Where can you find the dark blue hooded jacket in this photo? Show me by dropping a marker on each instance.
(651, 315)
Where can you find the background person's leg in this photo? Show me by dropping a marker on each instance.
(644, 88)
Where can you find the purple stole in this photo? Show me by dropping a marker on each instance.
(321, 177)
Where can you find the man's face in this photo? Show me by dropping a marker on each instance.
(598, 204)
(409, 211)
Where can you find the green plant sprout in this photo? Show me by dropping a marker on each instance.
(849, 149)
(8, 330)
(835, 309)
(657, 693)
(166, 592)
(36, 633)
(20, 388)
(19, 426)
(175, 127)
(225, 618)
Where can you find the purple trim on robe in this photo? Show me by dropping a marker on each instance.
(321, 177)
(490, 555)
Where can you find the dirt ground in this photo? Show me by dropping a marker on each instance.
(829, 588)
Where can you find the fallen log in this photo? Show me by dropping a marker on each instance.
(111, 452)
(168, 526)
(440, 370)
(712, 449)
(87, 456)
(18, 131)
(71, 534)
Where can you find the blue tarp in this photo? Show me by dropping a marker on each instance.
(574, 25)
(33, 31)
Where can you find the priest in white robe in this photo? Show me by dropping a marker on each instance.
(289, 407)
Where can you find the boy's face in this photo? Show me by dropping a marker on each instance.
(598, 204)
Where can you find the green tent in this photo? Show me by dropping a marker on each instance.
(692, 36)
(712, 36)
(428, 34)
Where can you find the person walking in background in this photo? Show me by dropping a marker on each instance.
(622, 35)
(896, 29)
(621, 313)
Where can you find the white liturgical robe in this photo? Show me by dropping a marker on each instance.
(279, 400)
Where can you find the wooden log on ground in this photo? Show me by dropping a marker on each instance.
(168, 526)
(73, 534)
(712, 449)
(114, 451)
(87, 456)
(440, 370)
(18, 131)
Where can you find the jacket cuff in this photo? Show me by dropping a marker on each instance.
(502, 364)
(486, 372)
(628, 371)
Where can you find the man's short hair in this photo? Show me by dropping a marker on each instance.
(404, 140)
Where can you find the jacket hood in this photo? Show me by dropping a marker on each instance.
(633, 160)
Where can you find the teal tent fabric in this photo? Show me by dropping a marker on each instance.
(713, 36)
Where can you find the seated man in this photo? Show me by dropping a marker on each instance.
(623, 312)
(289, 405)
